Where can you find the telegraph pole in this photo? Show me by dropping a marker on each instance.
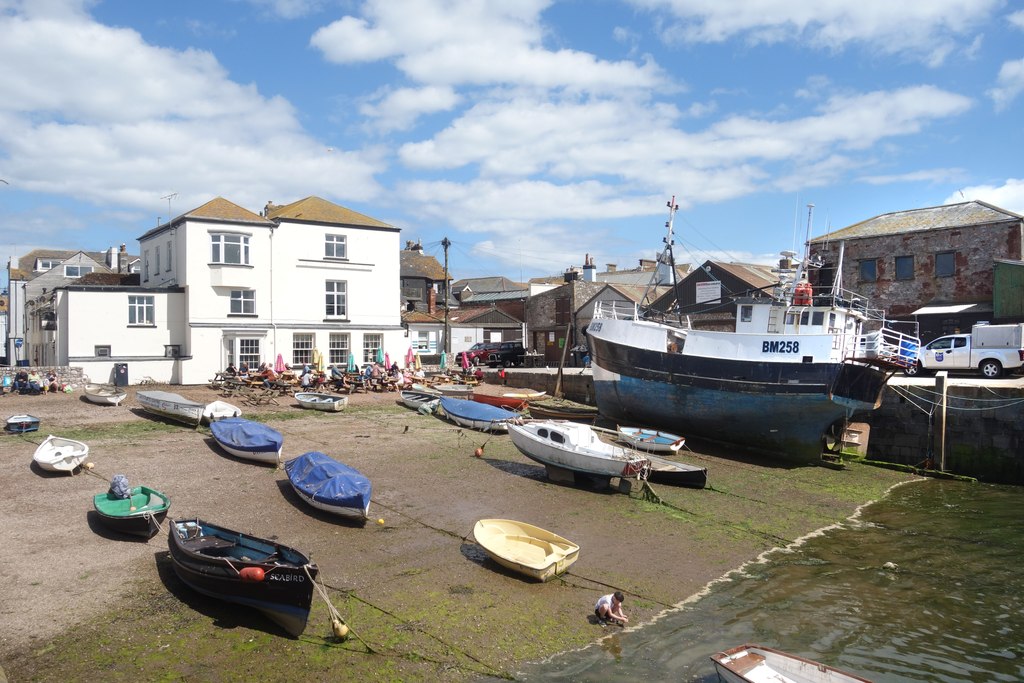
(447, 344)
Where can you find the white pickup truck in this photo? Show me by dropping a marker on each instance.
(989, 349)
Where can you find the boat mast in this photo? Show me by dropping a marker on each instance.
(665, 257)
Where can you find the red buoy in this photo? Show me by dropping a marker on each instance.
(255, 574)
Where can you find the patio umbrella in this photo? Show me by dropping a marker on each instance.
(279, 365)
(444, 360)
(318, 360)
(465, 361)
(380, 354)
(409, 358)
(387, 360)
(416, 360)
(352, 367)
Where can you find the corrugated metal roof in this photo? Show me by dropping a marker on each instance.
(961, 215)
(490, 297)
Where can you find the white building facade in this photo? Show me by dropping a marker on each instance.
(222, 284)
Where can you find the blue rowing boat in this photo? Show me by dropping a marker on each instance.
(329, 485)
(247, 439)
(476, 415)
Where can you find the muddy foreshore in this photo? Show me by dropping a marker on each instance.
(79, 603)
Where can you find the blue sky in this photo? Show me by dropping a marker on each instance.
(530, 133)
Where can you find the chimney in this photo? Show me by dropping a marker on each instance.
(589, 272)
(122, 259)
(431, 301)
(647, 264)
(611, 267)
(112, 258)
(408, 245)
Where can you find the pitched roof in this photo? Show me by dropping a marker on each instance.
(414, 263)
(108, 279)
(961, 215)
(422, 317)
(317, 210)
(481, 285)
(754, 274)
(221, 209)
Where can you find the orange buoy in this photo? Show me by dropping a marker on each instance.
(479, 452)
(255, 574)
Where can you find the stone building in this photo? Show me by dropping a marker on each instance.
(934, 264)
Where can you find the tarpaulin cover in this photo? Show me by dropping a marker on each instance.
(321, 476)
(474, 410)
(246, 435)
(119, 486)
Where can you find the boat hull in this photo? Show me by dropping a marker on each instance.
(104, 394)
(20, 424)
(662, 471)
(171, 406)
(57, 454)
(474, 415)
(757, 663)
(324, 402)
(331, 486)
(509, 402)
(651, 440)
(139, 515)
(211, 560)
(417, 399)
(250, 440)
(605, 461)
(778, 409)
(526, 549)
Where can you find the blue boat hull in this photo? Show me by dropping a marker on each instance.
(778, 409)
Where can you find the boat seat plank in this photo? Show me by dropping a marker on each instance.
(746, 662)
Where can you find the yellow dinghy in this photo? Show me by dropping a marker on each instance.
(524, 548)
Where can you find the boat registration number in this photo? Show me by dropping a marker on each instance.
(780, 347)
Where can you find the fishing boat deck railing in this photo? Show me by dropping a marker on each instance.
(616, 310)
(887, 346)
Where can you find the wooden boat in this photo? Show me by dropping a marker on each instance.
(760, 664)
(245, 570)
(105, 394)
(524, 548)
(562, 409)
(417, 399)
(464, 391)
(651, 440)
(19, 424)
(662, 471)
(481, 416)
(57, 454)
(171, 406)
(574, 447)
(329, 485)
(219, 410)
(247, 439)
(330, 403)
(503, 401)
(139, 515)
(527, 395)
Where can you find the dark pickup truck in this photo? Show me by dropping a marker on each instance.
(506, 355)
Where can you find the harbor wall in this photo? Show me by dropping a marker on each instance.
(980, 434)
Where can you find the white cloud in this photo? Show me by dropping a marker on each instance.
(928, 175)
(484, 44)
(105, 117)
(929, 30)
(1011, 84)
(1016, 19)
(288, 9)
(1009, 195)
(399, 109)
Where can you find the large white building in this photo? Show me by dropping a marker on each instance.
(221, 284)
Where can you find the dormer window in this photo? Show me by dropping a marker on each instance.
(76, 271)
(42, 265)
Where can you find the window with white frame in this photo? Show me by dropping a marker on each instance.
(249, 353)
(337, 299)
(229, 248)
(140, 310)
(422, 341)
(336, 246)
(46, 264)
(302, 348)
(243, 302)
(76, 271)
(338, 349)
(371, 342)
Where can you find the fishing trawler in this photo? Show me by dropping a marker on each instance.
(798, 366)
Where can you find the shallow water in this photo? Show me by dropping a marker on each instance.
(949, 607)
